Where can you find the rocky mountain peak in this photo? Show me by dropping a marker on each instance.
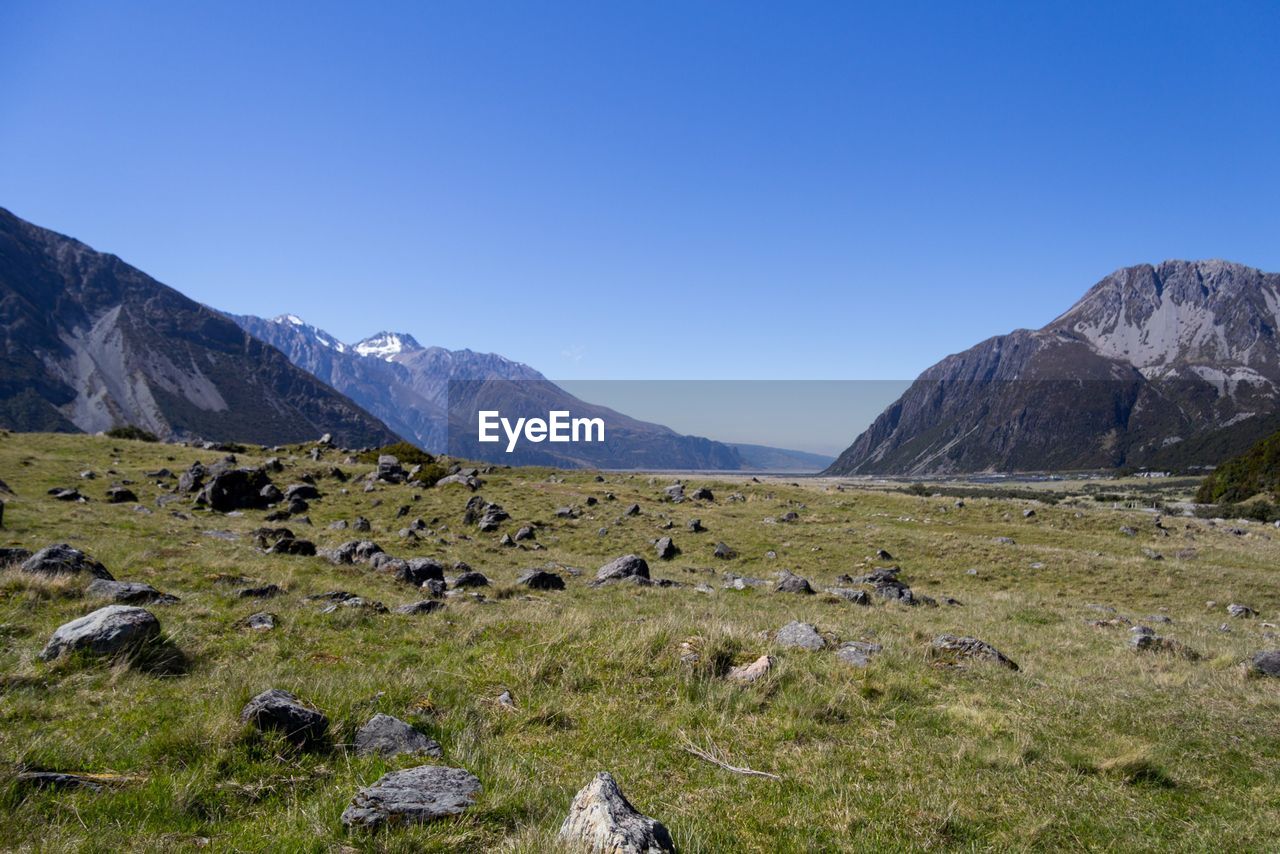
(387, 345)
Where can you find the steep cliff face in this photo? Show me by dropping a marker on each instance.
(90, 343)
(1176, 364)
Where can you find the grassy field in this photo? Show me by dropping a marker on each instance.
(1088, 745)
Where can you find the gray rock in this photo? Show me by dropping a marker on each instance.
(121, 495)
(627, 566)
(525, 533)
(633, 510)
(419, 570)
(128, 592)
(792, 583)
(954, 649)
(470, 579)
(702, 494)
(1151, 642)
(113, 630)
(665, 548)
(355, 603)
(384, 735)
(723, 552)
(426, 606)
(1266, 663)
(12, 555)
(263, 621)
(601, 819)
(857, 597)
(275, 710)
(1241, 612)
(802, 635)
(62, 559)
(695, 526)
(413, 796)
(540, 579)
(857, 653)
(748, 673)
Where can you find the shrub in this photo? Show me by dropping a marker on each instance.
(129, 431)
(407, 454)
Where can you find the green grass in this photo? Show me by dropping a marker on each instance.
(1089, 745)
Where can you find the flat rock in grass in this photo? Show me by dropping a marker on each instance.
(470, 579)
(266, 591)
(355, 603)
(627, 566)
(601, 819)
(857, 653)
(426, 606)
(540, 579)
(263, 621)
(276, 710)
(128, 592)
(413, 796)
(1149, 641)
(724, 552)
(1266, 663)
(750, 672)
(56, 780)
(789, 582)
(10, 556)
(802, 635)
(293, 546)
(62, 559)
(112, 630)
(955, 649)
(848, 594)
(1241, 612)
(384, 735)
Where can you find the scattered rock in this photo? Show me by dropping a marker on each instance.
(113, 630)
(275, 710)
(128, 592)
(1149, 641)
(540, 579)
(857, 597)
(265, 591)
(751, 672)
(1266, 663)
(470, 579)
(952, 649)
(263, 621)
(426, 606)
(601, 819)
(666, 549)
(62, 559)
(723, 552)
(627, 566)
(792, 583)
(695, 526)
(355, 603)
(1241, 612)
(121, 495)
(386, 736)
(857, 653)
(633, 510)
(413, 796)
(802, 635)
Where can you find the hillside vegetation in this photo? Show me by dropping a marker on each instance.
(1090, 743)
(1255, 472)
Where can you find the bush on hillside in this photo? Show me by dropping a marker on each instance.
(1255, 472)
(408, 455)
(129, 431)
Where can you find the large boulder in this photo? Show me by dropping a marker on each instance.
(1266, 663)
(618, 569)
(601, 819)
(412, 796)
(384, 735)
(275, 710)
(237, 489)
(113, 630)
(62, 559)
(419, 570)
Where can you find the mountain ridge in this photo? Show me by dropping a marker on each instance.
(1174, 363)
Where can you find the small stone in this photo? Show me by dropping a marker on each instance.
(275, 710)
(802, 635)
(666, 549)
(426, 606)
(952, 648)
(750, 672)
(857, 653)
(1241, 612)
(263, 621)
(386, 736)
(540, 579)
(792, 583)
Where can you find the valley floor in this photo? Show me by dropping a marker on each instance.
(1090, 744)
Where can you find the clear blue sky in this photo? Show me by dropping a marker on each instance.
(649, 189)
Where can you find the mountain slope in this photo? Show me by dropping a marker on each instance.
(90, 342)
(408, 386)
(1169, 365)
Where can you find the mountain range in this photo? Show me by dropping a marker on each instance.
(1173, 365)
(408, 386)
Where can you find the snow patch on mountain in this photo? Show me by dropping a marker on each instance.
(387, 345)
